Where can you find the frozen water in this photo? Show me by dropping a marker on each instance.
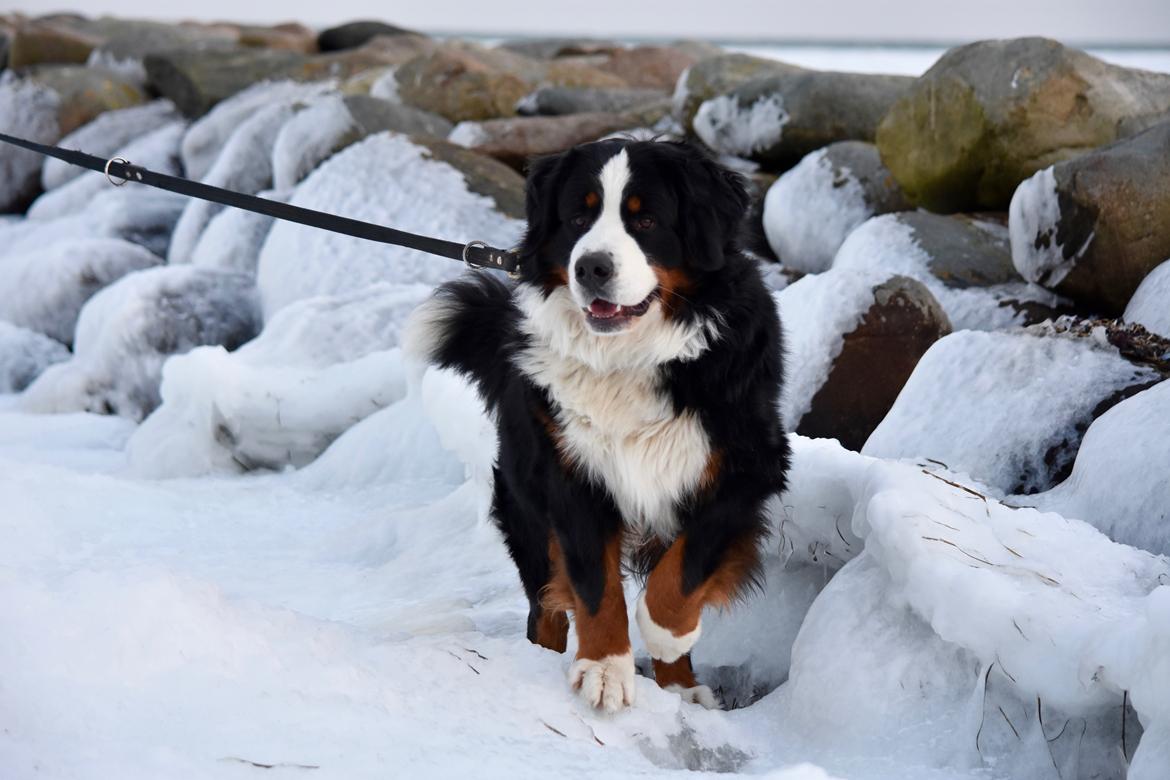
(233, 237)
(309, 137)
(729, 128)
(1150, 304)
(27, 110)
(24, 354)
(1034, 214)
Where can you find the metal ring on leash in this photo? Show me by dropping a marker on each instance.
(109, 178)
(468, 246)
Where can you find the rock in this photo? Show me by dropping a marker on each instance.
(718, 75)
(48, 41)
(129, 329)
(388, 179)
(290, 36)
(83, 93)
(580, 72)
(649, 67)
(558, 101)
(515, 141)
(106, 134)
(876, 358)
(775, 120)
(1009, 409)
(45, 290)
(1092, 228)
(5, 45)
(752, 237)
(27, 110)
(355, 34)
(1150, 305)
(964, 261)
(990, 114)
(811, 209)
(24, 355)
(373, 114)
(552, 48)
(462, 84)
(125, 42)
(1118, 482)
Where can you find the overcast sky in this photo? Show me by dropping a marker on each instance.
(1080, 21)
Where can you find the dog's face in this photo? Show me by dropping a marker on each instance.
(625, 228)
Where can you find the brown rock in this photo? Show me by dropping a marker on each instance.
(84, 92)
(462, 84)
(652, 67)
(45, 41)
(513, 141)
(552, 48)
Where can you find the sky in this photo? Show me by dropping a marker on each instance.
(1130, 22)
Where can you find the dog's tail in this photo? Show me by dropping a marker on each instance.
(469, 325)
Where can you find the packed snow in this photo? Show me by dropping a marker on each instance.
(29, 111)
(729, 128)
(233, 237)
(1150, 304)
(24, 355)
(308, 138)
(1033, 220)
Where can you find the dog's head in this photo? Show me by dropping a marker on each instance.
(626, 228)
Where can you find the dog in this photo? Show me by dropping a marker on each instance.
(634, 373)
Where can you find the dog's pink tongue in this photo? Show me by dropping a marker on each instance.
(600, 308)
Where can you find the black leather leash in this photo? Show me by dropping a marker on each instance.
(475, 254)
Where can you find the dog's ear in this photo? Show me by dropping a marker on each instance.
(715, 203)
(540, 203)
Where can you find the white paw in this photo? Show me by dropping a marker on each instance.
(607, 684)
(700, 694)
(661, 643)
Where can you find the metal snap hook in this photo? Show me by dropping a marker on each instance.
(110, 178)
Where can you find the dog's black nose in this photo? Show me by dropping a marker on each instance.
(594, 269)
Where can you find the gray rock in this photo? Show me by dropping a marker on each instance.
(557, 101)
(990, 114)
(85, 92)
(24, 355)
(374, 115)
(354, 34)
(776, 120)
(552, 48)
(1093, 227)
(482, 174)
(718, 75)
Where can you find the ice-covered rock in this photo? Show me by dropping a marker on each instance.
(106, 136)
(24, 354)
(1118, 482)
(1150, 304)
(157, 149)
(44, 290)
(233, 237)
(811, 209)
(716, 75)
(1009, 409)
(244, 165)
(320, 366)
(386, 179)
(128, 330)
(964, 261)
(558, 101)
(27, 110)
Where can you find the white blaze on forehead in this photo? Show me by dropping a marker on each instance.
(634, 279)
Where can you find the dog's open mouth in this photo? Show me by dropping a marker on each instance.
(606, 316)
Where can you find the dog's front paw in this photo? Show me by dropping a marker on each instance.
(663, 643)
(699, 694)
(606, 684)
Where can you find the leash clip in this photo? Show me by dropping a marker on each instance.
(110, 178)
(496, 260)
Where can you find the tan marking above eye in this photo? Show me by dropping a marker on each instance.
(634, 204)
(591, 200)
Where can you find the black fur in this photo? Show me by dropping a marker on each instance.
(734, 386)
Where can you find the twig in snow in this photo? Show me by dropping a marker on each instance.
(558, 732)
(983, 713)
(1124, 707)
(964, 488)
(1047, 742)
(591, 731)
(960, 549)
(1017, 625)
(478, 654)
(260, 765)
(1011, 725)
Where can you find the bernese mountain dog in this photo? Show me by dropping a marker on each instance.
(634, 374)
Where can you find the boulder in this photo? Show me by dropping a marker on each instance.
(482, 175)
(24, 355)
(514, 141)
(125, 42)
(27, 110)
(461, 85)
(558, 101)
(552, 48)
(352, 35)
(990, 114)
(964, 261)
(84, 92)
(648, 67)
(1093, 227)
(129, 329)
(1150, 305)
(776, 120)
(48, 41)
(717, 75)
(5, 45)
(1008, 409)
(44, 290)
(289, 36)
(811, 209)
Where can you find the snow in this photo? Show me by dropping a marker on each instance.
(157, 149)
(127, 330)
(244, 165)
(45, 290)
(810, 210)
(308, 138)
(1118, 481)
(885, 242)
(386, 86)
(468, 134)
(1005, 408)
(1033, 219)
(388, 180)
(24, 354)
(233, 237)
(320, 366)
(27, 110)
(729, 128)
(1150, 304)
(106, 135)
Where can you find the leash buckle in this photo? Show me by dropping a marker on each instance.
(110, 178)
(496, 260)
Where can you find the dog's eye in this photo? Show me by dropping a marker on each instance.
(644, 222)
(581, 220)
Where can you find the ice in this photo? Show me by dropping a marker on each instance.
(206, 138)
(157, 149)
(386, 86)
(1150, 304)
(1006, 408)
(106, 136)
(810, 210)
(244, 165)
(24, 354)
(1033, 218)
(29, 111)
(1118, 481)
(127, 331)
(45, 289)
(729, 128)
(233, 237)
(884, 242)
(320, 366)
(388, 180)
(309, 137)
